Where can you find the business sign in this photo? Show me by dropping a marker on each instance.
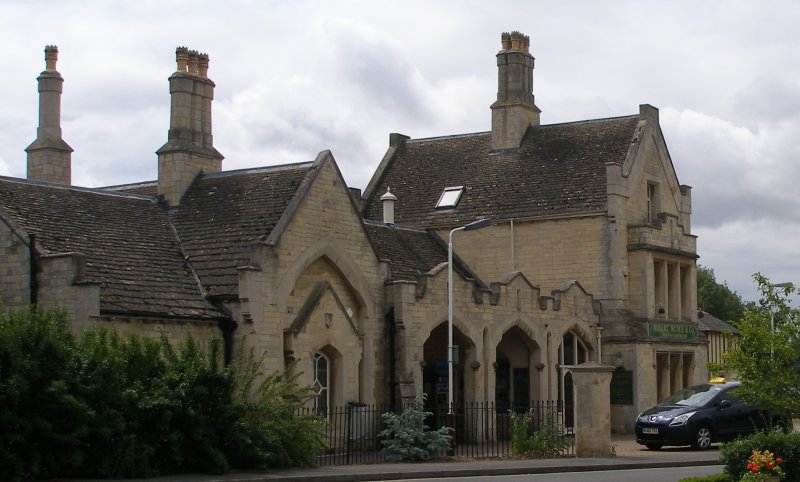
(674, 331)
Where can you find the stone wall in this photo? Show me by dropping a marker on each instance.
(14, 267)
(324, 241)
(483, 320)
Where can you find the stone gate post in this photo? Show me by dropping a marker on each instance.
(592, 409)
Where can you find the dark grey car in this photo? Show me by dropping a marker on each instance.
(701, 415)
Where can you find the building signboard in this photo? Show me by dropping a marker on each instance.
(670, 330)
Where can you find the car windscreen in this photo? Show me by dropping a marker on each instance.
(694, 396)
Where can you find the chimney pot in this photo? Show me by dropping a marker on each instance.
(202, 66)
(182, 58)
(50, 57)
(193, 58)
(505, 41)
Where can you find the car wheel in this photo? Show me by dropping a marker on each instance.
(653, 446)
(702, 438)
(781, 426)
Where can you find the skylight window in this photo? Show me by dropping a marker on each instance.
(450, 197)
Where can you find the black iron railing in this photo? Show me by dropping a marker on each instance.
(482, 429)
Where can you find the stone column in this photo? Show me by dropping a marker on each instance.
(592, 409)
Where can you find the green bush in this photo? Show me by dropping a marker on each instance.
(407, 437)
(786, 446)
(118, 378)
(272, 432)
(547, 441)
(113, 406)
(42, 423)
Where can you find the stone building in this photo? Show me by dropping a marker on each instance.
(590, 256)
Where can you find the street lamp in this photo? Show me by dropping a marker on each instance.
(786, 284)
(481, 223)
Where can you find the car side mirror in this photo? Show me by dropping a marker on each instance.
(724, 404)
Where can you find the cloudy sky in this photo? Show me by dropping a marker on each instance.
(297, 77)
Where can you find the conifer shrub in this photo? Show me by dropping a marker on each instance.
(407, 437)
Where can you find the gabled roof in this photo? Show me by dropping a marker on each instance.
(412, 252)
(222, 215)
(710, 323)
(127, 241)
(558, 170)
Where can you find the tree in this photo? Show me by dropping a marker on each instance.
(767, 354)
(716, 298)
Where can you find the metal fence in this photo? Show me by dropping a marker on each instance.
(481, 430)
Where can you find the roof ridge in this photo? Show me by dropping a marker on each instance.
(452, 136)
(482, 133)
(591, 121)
(255, 170)
(380, 224)
(91, 190)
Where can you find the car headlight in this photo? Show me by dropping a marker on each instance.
(681, 419)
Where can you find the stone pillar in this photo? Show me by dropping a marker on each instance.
(592, 409)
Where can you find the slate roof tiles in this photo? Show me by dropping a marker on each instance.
(127, 242)
(411, 252)
(558, 170)
(221, 216)
(146, 260)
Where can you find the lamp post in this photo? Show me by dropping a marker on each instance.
(481, 223)
(785, 284)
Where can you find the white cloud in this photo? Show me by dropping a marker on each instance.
(294, 78)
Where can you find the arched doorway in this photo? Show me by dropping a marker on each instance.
(516, 378)
(435, 371)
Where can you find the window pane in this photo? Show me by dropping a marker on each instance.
(450, 197)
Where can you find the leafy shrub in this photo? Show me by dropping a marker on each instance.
(118, 378)
(786, 446)
(407, 437)
(547, 441)
(41, 422)
(273, 432)
(113, 406)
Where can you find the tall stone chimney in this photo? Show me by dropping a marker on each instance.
(49, 157)
(514, 110)
(190, 145)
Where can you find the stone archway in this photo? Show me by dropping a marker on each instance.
(517, 370)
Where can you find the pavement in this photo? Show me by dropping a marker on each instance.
(627, 455)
